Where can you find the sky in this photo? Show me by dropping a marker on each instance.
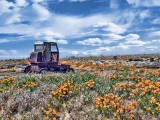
(80, 27)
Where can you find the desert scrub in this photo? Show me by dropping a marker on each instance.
(120, 96)
(6, 83)
(23, 102)
(7, 71)
(66, 91)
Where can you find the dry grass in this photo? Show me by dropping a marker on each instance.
(96, 91)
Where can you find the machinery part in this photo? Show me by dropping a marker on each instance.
(28, 69)
(46, 58)
(43, 71)
(35, 68)
(70, 70)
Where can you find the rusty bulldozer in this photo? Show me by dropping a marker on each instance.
(45, 58)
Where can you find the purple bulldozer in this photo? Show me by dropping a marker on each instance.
(45, 58)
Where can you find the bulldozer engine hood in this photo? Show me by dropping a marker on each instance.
(33, 57)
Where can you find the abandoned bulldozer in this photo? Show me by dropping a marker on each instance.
(45, 58)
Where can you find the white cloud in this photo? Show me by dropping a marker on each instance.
(155, 41)
(110, 27)
(122, 46)
(113, 36)
(99, 42)
(91, 41)
(135, 43)
(74, 52)
(41, 19)
(50, 26)
(132, 37)
(72, 0)
(154, 34)
(3, 52)
(108, 41)
(114, 28)
(5, 5)
(62, 41)
(68, 52)
(36, 12)
(13, 19)
(4, 40)
(9, 12)
(114, 4)
(59, 41)
(37, 1)
(11, 54)
(152, 47)
(144, 14)
(77, 0)
(145, 3)
(52, 34)
(21, 3)
(156, 21)
(8, 53)
(104, 49)
(44, 36)
(13, 51)
(97, 51)
(132, 40)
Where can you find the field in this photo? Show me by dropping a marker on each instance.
(101, 88)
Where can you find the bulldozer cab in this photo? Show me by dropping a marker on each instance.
(45, 52)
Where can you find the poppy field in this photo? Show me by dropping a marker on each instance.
(93, 92)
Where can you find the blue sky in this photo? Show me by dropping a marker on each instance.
(80, 27)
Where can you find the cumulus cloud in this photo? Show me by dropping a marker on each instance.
(68, 52)
(58, 41)
(155, 41)
(62, 41)
(38, 1)
(8, 53)
(100, 42)
(36, 12)
(40, 19)
(68, 26)
(91, 41)
(133, 40)
(5, 5)
(13, 19)
(113, 36)
(97, 51)
(114, 4)
(72, 0)
(3, 52)
(132, 37)
(144, 14)
(4, 40)
(21, 3)
(110, 27)
(122, 46)
(74, 52)
(154, 34)
(77, 0)
(135, 43)
(152, 47)
(50, 37)
(101, 29)
(13, 51)
(145, 3)
(156, 21)
(8, 40)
